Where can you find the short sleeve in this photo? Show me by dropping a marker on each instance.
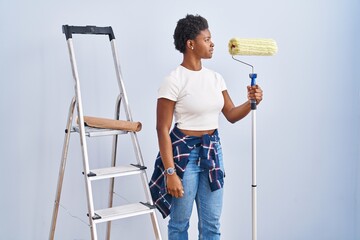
(169, 89)
(222, 82)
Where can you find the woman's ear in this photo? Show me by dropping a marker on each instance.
(190, 44)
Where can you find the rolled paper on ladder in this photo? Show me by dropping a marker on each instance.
(111, 124)
(252, 47)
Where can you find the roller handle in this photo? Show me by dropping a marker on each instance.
(253, 83)
(69, 30)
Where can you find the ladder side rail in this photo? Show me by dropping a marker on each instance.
(126, 103)
(156, 226)
(113, 164)
(120, 81)
(62, 168)
(83, 140)
(140, 161)
(133, 135)
(134, 138)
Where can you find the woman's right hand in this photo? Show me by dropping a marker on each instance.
(174, 186)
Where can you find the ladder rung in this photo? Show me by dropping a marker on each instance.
(124, 211)
(98, 132)
(103, 173)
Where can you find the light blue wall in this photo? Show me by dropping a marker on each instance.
(308, 123)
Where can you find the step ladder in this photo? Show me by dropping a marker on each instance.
(112, 212)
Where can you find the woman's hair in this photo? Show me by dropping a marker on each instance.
(188, 28)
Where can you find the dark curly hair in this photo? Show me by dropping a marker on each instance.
(188, 28)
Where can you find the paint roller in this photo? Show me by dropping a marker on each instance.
(252, 47)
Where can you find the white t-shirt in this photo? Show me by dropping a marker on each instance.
(198, 97)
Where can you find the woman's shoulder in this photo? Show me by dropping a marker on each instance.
(174, 75)
(214, 73)
(173, 79)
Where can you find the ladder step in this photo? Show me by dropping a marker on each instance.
(110, 172)
(99, 132)
(124, 211)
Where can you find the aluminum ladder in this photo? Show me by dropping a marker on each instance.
(111, 213)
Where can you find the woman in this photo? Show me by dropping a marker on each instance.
(189, 166)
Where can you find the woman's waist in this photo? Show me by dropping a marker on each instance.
(193, 137)
(197, 133)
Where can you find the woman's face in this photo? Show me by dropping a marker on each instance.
(203, 46)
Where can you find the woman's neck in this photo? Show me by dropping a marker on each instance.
(191, 63)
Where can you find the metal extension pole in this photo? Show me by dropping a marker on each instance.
(253, 76)
(253, 184)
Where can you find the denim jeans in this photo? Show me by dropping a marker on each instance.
(209, 204)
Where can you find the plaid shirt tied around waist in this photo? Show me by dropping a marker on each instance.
(182, 145)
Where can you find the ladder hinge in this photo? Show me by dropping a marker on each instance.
(91, 174)
(95, 217)
(148, 205)
(139, 166)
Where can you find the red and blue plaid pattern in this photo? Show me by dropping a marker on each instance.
(182, 146)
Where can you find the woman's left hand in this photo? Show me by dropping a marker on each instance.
(255, 92)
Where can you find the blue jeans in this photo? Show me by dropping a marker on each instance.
(209, 204)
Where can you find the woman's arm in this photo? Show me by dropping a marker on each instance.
(234, 114)
(164, 117)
